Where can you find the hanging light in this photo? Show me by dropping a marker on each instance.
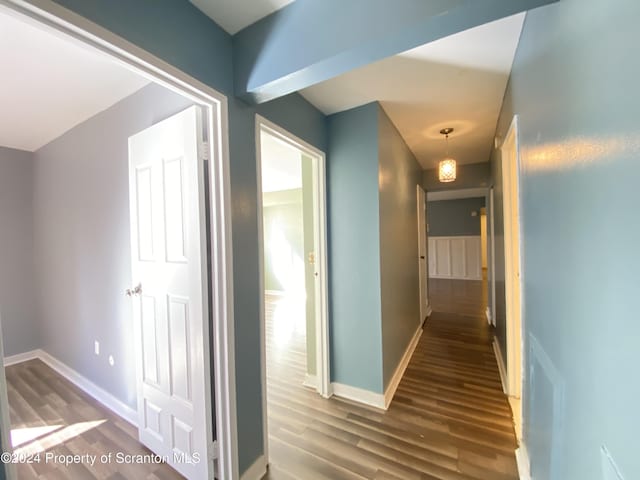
(447, 167)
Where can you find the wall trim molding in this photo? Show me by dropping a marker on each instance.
(22, 357)
(400, 369)
(501, 365)
(257, 470)
(488, 314)
(97, 393)
(310, 381)
(428, 314)
(456, 257)
(522, 460)
(359, 395)
(275, 293)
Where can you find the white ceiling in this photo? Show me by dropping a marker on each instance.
(49, 84)
(458, 81)
(281, 165)
(234, 15)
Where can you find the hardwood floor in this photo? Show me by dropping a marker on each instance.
(50, 414)
(466, 297)
(449, 419)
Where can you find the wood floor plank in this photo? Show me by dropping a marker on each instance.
(449, 419)
(40, 397)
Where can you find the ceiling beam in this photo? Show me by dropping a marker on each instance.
(310, 41)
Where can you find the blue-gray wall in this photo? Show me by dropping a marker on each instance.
(373, 247)
(472, 175)
(196, 45)
(452, 218)
(17, 269)
(398, 175)
(354, 248)
(574, 86)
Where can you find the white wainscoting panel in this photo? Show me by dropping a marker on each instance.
(457, 258)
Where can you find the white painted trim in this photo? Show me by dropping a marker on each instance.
(522, 460)
(487, 313)
(21, 357)
(492, 239)
(471, 254)
(320, 227)
(501, 366)
(359, 395)
(514, 274)
(444, 277)
(310, 381)
(257, 470)
(275, 293)
(429, 312)
(47, 13)
(400, 369)
(456, 194)
(83, 383)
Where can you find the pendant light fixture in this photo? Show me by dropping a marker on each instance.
(447, 167)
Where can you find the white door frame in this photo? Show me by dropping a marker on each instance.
(513, 269)
(62, 21)
(492, 251)
(423, 243)
(320, 240)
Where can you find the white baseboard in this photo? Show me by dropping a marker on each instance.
(275, 293)
(21, 357)
(257, 470)
(359, 395)
(310, 381)
(488, 314)
(524, 465)
(449, 277)
(501, 365)
(105, 398)
(428, 313)
(402, 366)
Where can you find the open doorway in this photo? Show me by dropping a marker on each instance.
(293, 266)
(85, 338)
(457, 252)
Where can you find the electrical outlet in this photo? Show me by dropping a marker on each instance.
(111, 360)
(96, 347)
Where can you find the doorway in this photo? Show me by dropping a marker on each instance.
(509, 154)
(423, 270)
(293, 262)
(219, 354)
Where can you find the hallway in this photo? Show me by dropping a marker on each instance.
(449, 419)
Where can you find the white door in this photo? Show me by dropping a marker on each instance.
(168, 235)
(513, 281)
(422, 253)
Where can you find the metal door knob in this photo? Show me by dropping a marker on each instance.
(137, 290)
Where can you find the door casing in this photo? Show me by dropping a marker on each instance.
(61, 21)
(321, 286)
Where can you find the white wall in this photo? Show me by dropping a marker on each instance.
(457, 258)
(20, 333)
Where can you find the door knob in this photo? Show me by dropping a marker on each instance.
(137, 290)
(421, 257)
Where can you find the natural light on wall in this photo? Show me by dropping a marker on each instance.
(288, 268)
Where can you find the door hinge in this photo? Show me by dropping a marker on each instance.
(205, 151)
(214, 451)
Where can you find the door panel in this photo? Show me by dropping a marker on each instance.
(170, 309)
